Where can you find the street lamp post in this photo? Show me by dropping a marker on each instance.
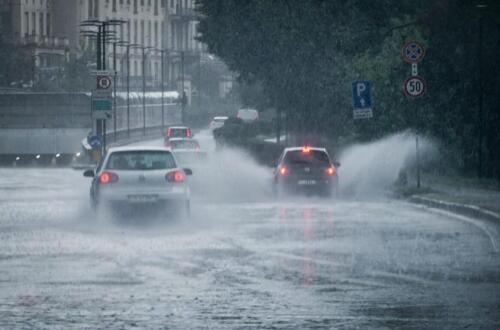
(144, 48)
(101, 34)
(162, 53)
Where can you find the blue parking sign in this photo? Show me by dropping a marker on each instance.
(362, 99)
(94, 141)
(361, 96)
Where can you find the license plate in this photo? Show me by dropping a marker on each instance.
(306, 182)
(142, 198)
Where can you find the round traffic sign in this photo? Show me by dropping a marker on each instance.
(414, 86)
(103, 82)
(413, 52)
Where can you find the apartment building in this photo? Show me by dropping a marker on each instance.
(29, 24)
(143, 24)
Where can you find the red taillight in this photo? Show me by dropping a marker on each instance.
(306, 150)
(176, 176)
(188, 133)
(330, 170)
(283, 170)
(169, 132)
(108, 177)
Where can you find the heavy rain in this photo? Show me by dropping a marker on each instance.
(220, 164)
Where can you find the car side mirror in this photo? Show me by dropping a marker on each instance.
(188, 171)
(89, 173)
(336, 164)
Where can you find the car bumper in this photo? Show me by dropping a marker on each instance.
(140, 197)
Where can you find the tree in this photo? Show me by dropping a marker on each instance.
(305, 54)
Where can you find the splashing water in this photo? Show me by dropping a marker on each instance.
(370, 168)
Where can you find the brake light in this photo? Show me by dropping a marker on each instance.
(175, 176)
(169, 132)
(188, 133)
(108, 177)
(330, 170)
(283, 170)
(306, 149)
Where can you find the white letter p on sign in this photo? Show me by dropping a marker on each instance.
(360, 88)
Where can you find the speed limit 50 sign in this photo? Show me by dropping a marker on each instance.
(414, 86)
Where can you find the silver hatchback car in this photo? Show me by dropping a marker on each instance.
(131, 178)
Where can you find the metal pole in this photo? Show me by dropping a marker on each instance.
(128, 91)
(162, 52)
(114, 92)
(99, 49)
(99, 124)
(480, 102)
(143, 91)
(183, 95)
(104, 45)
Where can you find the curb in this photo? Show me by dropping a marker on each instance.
(463, 209)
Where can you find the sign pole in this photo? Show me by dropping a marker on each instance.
(414, 87)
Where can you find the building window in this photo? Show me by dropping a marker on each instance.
(135, 6)
(27, 23)
(33, 24)
(41, 25)
(113, 6)
(47, 21)
(142, 33)
(128, 31)
(156, 35)
(156, 7)
(136, 33)
(96, 8)
(150, 36)
(90, 8)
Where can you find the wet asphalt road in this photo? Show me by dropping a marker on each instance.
(243, 261)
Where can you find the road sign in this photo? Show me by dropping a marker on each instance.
(414, 86)
(94, 141)
(361, 99)
(413, 52)
(103, 82)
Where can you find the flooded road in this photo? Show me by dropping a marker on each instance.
(244, 260)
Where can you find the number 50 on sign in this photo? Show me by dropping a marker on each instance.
(414, 86)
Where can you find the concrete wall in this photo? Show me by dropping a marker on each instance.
(45, 110)
(50, 123)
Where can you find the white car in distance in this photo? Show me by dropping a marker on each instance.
(217, 122)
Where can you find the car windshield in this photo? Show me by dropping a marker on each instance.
(312, 157)
(184, 144)
(140, 160)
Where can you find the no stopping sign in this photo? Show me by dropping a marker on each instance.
(414, 86)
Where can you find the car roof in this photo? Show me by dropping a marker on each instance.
(178, 127)
(173, 139)
(137, 148)
(300, 148)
